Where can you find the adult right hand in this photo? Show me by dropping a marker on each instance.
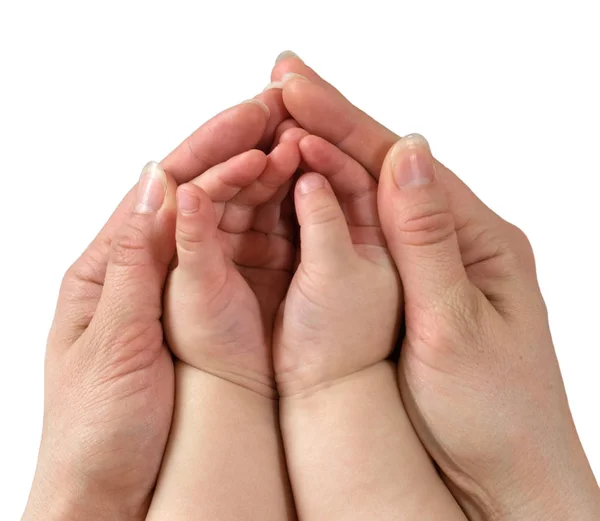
(478, 371)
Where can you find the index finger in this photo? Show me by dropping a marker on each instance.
(229, 133)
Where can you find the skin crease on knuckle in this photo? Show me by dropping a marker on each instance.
(129, 248)
(424, 224)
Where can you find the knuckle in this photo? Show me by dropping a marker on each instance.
(83, 278)
(518, 251)
(454, 322)
(425, 224)
(323, 215)
(130, 246)
(122, 348)
(188, 239)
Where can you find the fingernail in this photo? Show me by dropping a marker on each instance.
(310, 183)
(274, 85)
(291, 76)
(260, 104)
(187, 201)
(287, 54)
(412, 163)
(286, 77)
(151, 189)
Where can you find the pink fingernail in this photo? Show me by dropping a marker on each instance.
(187, 201)
(151, 189)
(412, 163)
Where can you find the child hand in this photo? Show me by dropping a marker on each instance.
(341, 312)
(234, 262)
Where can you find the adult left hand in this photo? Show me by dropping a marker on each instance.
(109, 375)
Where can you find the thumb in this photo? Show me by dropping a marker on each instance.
(324, 236)
(139, 256)
(200, 257)
(418, 224)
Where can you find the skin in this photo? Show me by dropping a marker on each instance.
(109, 377)
(476, 325)
(235, 258)
(99, 371)
(340, 405)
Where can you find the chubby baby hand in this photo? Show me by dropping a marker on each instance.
(341, 312)
(234, 261)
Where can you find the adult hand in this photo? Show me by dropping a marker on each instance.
(109, 377)
(478, 371)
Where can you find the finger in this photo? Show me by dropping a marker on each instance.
(323, 111)
(269, 218)
(282, 128)
(289, 62)
(352, 184)
(281, 165)
(259, 250)
(293, 135)
(229, 133)
(240, 212)
(278, 113)
(419, 226)
(224, 181)
(324, 236)
(201, 262)
(139, 257)
(326, 113)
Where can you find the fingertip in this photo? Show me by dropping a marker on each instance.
(260, 104)
(294, 135)
(315, 150)
(283, 127)
(199, 255)
(285, 63)
(411, 162)
(287, 154)
(287, 54)
(315, 200)
(195, 214)
(255, 159)
(325, 237)
(188, 201)
(311, 182)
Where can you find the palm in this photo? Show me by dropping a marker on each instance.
(256, 233)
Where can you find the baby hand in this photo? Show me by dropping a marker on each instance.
(234, 261)
(341, 311)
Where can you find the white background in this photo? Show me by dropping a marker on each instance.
(506, 92)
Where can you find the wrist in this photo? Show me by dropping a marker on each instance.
(555, 499)
(56, 499)
(541, 493)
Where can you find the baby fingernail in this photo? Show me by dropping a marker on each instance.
(187, 201)
(310, 183)
(151, 189)
(412, 163)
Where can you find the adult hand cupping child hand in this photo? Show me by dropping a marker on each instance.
(478, 371)
(109, 377)
(351, 452)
